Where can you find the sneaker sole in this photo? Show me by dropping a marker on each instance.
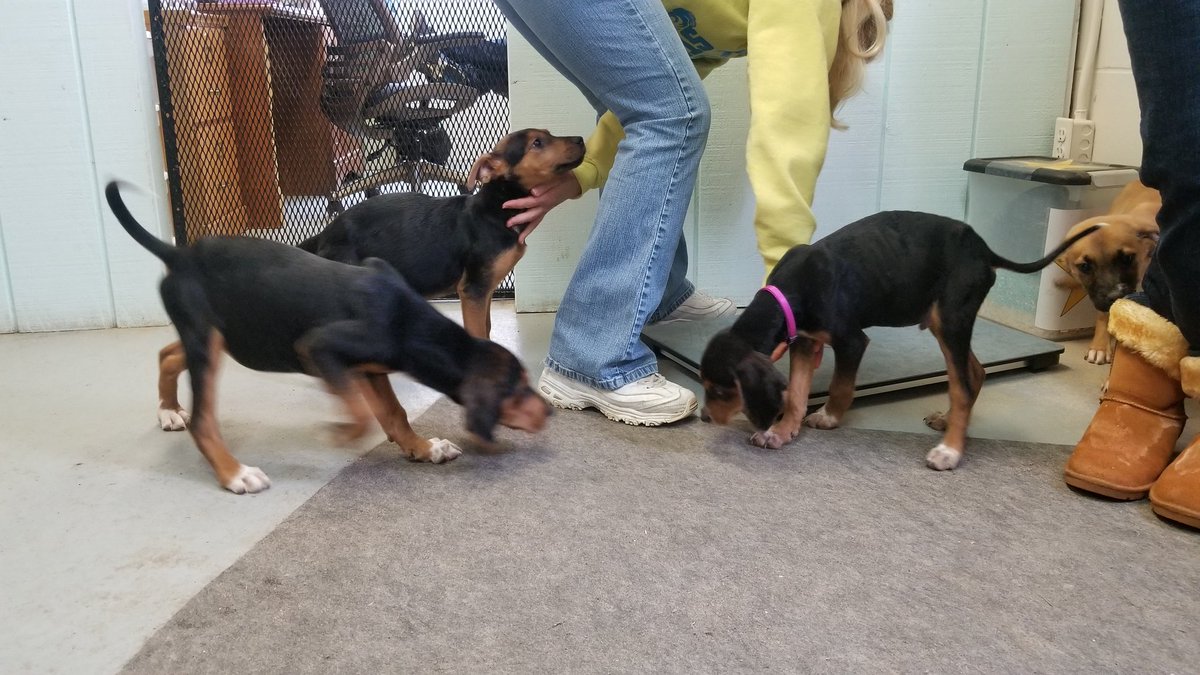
(566, 401)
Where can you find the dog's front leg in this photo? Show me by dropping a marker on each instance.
(1100, 350)
(327, 353)
(378, 392)
(802, 361)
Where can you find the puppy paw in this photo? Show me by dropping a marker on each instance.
(173, 420)
(346, 433)
(943, 458)
(936, 421)
(1098, 356)
(821, 419)
(248, 479)
(771, 438)
(442, 450)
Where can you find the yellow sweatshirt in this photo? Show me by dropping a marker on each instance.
(790, 44)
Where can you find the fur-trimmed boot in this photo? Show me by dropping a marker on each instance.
(1176, 494)
(1132, 436)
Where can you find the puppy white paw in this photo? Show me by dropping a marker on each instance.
(768, 439)
(443, 451)
(248, 479)
(173, 420)
(943, 458)
(1098, 357)
(821, 419)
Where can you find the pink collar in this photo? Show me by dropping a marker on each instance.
(787, 312)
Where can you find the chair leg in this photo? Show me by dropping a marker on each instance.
(408, 172)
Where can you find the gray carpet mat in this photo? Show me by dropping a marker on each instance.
(598, 547)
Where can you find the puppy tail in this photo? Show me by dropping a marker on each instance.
(165, 252)
(1026, 268)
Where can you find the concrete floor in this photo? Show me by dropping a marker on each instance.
(109, 525)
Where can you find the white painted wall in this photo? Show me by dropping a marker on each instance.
(76, 108)
(1114, 100)
(960, 79)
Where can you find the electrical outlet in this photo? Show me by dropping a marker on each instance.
(1073, 139)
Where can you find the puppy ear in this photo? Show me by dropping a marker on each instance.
(762, 389)
(487, 167)
(492, 373)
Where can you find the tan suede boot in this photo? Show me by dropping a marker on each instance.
(1132, 436)
(1176, 494)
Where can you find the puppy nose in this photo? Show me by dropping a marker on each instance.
(577, 140)
(704, 416)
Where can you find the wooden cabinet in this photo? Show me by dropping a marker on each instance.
(245, 85)
(207, 150)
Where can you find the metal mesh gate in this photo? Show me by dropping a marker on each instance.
(277, 115)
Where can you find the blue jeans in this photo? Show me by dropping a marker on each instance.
(624, 56)
(1164, 39)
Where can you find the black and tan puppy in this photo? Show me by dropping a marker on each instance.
(896, 268)
(276, 308)
(1110, 265)
(440, 244)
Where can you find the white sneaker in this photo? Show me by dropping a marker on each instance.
(651, 401)
(700, 306)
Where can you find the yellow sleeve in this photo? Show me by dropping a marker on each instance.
(790, 44)
(601, 150)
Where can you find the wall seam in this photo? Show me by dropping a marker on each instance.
(89, 143)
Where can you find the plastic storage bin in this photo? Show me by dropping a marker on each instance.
(1023, 207)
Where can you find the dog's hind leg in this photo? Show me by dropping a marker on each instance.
(378, 392)
(202, 347)
(171, 363)
(965, 374)
(847, 354)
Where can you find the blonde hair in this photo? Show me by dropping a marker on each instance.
(861, 38)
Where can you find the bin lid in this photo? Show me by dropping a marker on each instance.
(1053, 170)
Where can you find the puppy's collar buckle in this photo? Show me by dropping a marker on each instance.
(792, 333)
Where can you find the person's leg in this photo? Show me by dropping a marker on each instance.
(1162, 35)
(627, 54)
(1127, 446)
(506, 8)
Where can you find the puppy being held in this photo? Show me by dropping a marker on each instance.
(276, 308)
(1110, 265)
(462, 243)
(896, 268)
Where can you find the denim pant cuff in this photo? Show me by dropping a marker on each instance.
(607, 384)
(665, 308)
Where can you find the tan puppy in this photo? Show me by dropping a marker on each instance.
(1110, 264)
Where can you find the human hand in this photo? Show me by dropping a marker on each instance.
(541, 199)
